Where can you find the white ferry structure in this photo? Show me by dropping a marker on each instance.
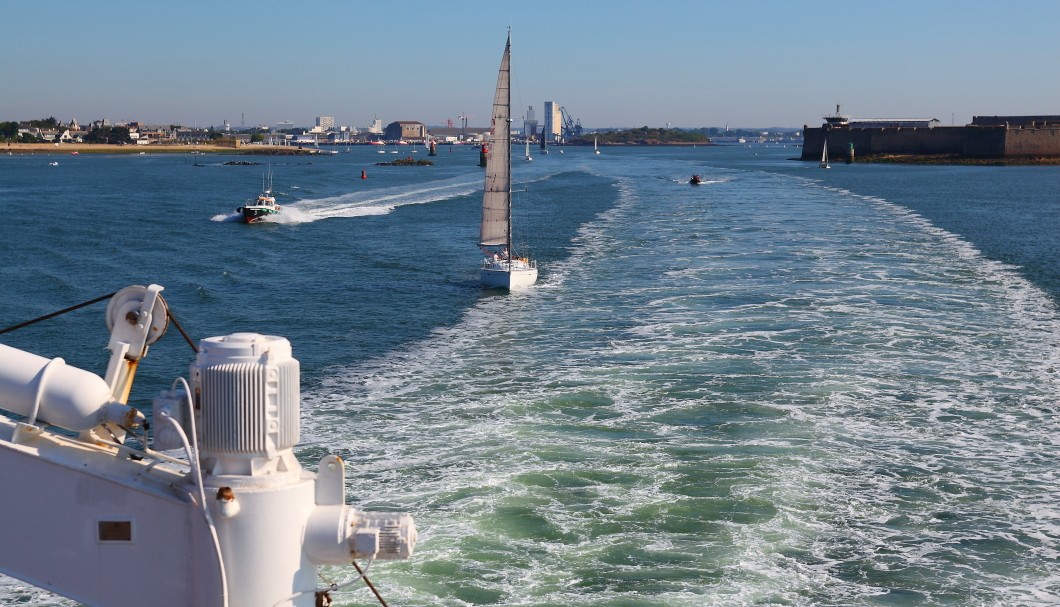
(94, 509)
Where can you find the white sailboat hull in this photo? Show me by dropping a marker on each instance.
(498, 274)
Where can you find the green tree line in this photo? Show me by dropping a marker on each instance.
(108, 134)
(646, 136)
(9, 130)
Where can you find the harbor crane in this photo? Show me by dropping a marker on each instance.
(572, 128)
(463, 129)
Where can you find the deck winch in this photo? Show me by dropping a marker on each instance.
(238, 523)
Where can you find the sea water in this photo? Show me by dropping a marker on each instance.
(786, 386)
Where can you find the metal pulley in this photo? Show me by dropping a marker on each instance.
(138, 315)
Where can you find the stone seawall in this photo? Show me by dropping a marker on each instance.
(960, 141)
(1032, 143)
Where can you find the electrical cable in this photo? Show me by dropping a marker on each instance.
(193, 459)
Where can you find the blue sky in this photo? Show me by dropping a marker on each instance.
(616, 63)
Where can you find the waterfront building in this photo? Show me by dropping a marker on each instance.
(920, 123)
(999, 137)
(459, 134)
(553, 122)
(326, 123)
(405, 130)
(1033, 122)
(530, 124)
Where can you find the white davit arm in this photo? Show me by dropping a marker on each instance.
(50, 391)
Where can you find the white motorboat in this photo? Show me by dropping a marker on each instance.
(264, 206)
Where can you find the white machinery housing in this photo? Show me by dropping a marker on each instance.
(241, 524)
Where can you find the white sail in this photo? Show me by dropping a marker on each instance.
(497, 195)
(501, 268)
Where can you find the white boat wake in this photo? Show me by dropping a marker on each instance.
(380, 201)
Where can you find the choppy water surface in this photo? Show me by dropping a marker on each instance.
(785, 386)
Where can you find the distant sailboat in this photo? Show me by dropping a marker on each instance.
(595, 147)
(528, 158)
(501, 267)
(824, 156)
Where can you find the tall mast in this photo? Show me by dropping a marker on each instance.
(508, 145)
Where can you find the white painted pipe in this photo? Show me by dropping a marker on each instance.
(50, 391)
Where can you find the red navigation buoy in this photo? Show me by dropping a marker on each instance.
(364, 174)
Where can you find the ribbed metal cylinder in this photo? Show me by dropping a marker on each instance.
(247, 391)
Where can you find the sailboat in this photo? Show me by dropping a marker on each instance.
(824, 156)
(528, 158)
(501, 267)
(595, 147)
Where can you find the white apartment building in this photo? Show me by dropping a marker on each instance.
(552, 127)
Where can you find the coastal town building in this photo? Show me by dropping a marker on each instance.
(470, 134)
(405, 130)
(376, 128)
(285, 133)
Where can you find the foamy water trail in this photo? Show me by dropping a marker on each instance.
(380, 201)
(760, 392)
(793, 395)
(385, 200)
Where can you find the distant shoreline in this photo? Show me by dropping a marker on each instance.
(645, 144)
(245, 150)
(154, 148)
